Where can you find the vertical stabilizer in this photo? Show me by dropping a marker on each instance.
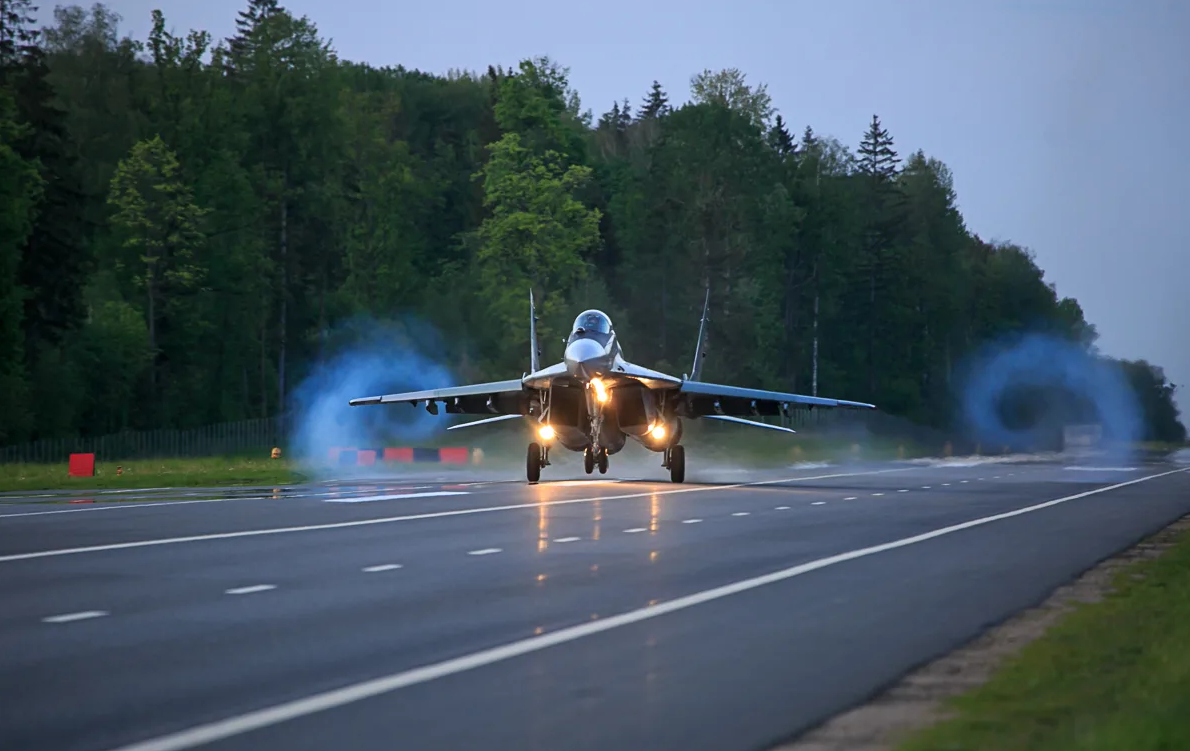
(696, 369)
(534, 352)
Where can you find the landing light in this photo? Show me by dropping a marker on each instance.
(658, 432)
(600, 390)
(546, 432)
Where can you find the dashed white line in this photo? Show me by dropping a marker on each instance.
(691, 521)
(486, 551)
(963, 482)
(251, 590)
(850, 498)
(567, 539)
(818, 503)
(902, 491)
(634, 530)
(268, 716)
(781, 508)
(382, 567)
(741, 513)
(877, 494)
(946, 484)
(925, 487)
(71, 617)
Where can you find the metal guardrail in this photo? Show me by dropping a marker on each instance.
(212, 440)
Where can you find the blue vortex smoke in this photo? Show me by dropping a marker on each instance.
(1022, 393)
(374, 359)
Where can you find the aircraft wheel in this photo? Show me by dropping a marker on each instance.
(603, 462)
(533, 462)
(588, 461)
(677, 463)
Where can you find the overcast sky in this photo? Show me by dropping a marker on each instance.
(1065, 122)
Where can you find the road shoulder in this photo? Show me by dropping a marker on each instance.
(979, 690)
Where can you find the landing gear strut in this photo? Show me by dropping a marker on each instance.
(538, 457)
(675, 462)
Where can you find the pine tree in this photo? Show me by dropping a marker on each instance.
(656, 103)
(17, 35)
(780, 139)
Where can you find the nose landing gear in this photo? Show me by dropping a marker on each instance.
(675, 461)
(537, 458)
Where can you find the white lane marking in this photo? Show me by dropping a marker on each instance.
(71, 617)
(996, 477)
(946, 484)
(962, 482)
(576, 483)
(818, 503)
(393, 497)
(251, 590)
(261, 718)
(902, 491)
(1102, 469)
(486, 551)
(877, 494)
(691, 521)
(925, 487)
(980, 479)
(415, 517)
(634, 530)
(382, 567)
(741, 513)
(850, 498)
(567, 539)
(781, 508)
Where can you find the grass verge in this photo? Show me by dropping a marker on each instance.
(152, 473)
(1112, 674)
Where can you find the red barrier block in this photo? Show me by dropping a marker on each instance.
(366, 457)
(82, 465)
(454, 455)
(398, 455)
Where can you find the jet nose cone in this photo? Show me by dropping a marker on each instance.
(584, 358)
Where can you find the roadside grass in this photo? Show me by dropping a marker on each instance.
(152, 473)
(1113, 674)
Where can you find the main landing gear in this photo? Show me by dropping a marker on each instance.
(538, 457)
(675, 462)
(592, 459)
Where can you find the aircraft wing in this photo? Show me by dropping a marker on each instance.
(715, 399)
(498, 397)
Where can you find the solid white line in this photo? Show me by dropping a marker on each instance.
(691, 521)
(634, 530)
(371, 498)
(567, 539)
(70, 617)
(415, 517)
(251, 590)
(279, 713)
(486, 551)
(382, 567)
(741, 513)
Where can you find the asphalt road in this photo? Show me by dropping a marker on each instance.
(580, 615)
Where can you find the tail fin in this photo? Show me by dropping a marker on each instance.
(696, 369)
(534, 352)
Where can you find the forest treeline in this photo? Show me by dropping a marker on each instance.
(189, 228)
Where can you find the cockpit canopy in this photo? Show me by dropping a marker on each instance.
(592, 322)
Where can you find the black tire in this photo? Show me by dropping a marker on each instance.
(533, 462)
(588, 461)
(603, 462)
(677, 464)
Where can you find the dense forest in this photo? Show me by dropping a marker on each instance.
(189, 229)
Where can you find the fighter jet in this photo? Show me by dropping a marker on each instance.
(595, 400)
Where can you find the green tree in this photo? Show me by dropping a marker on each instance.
(536, 236)
(161, 231)
(729, 88)
(20, 190)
